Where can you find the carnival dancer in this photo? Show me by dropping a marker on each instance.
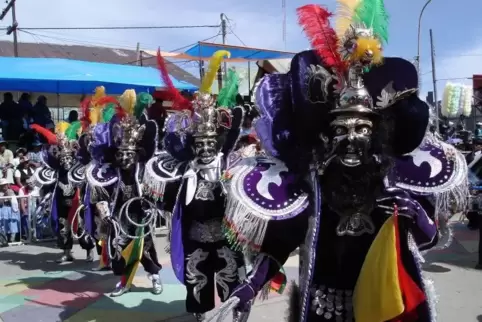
(198, 139)
(353, 189)
(124, 216)
(96, 109)
(54, 176)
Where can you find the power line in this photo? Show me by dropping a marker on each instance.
(119, 27)
(174, 50)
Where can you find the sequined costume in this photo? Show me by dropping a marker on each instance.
(55, 177)
(350, 179)
(198, 139)
(124, 218)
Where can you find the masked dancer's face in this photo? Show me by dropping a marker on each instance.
(67, 161)
(352, 136)
(126, 159)
(205, 149)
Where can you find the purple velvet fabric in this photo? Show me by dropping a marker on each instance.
(177, 247)
(426, 168)
(54, 213)
(88, 212)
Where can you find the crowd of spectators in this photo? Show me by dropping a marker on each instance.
(16, 117)
(16, 168)
(15, 182)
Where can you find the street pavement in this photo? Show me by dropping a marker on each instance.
(34, 288)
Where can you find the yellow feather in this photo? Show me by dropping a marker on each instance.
(95, 114)
(128, 101)
(99, 93)
(368, 44)
(214, 65)
(345, 11)
(61, 127)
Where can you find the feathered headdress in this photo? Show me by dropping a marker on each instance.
(227, 95)
(99, 108)
(352, 49)
(179, 102)
(64, 141)
(213, 68)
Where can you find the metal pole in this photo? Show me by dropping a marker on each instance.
(417, 58)
(138, 54)
(224, 33)
(14, 23)
(434, 79)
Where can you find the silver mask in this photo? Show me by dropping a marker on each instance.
(126, 158)
(351, 139)
(66, 161)
(205, 149)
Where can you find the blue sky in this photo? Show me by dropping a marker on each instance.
(457, 30)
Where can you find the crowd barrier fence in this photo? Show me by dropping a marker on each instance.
(17, 228)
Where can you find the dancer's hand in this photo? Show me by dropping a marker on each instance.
(245, 292)
(423, 229)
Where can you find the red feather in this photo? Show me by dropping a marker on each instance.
(85, 109)
(119, 111)
(178, 101)
(315, 22)
(51, 137)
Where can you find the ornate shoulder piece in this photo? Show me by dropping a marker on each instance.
(101, 175)
(44, 176)
(438, 169)
(259, 191)
(76, 174)
(159, 171)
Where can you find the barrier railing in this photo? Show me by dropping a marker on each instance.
(18, 228)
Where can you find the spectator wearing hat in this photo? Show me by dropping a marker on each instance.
(9, 211)
(24, 169)
(6, 161)
(35, 154)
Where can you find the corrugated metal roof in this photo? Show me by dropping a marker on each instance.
(93, 54)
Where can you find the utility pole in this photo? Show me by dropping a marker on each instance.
(13, 28)
(434, 79)
(224, 33)
(138, 54)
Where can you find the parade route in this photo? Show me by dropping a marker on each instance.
(34, 288)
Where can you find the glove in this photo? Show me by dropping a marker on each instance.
(249, 288)
(423, 229)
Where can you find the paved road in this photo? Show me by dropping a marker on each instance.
(33, 288)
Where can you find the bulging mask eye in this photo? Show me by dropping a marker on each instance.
(340, 130)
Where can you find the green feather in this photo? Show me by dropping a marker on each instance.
(144, 100)
(73, 130)
(373, 15)
(108, 112)
(227, 95)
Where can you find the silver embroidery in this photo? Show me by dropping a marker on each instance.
(193, 275)
(205, 191)
(229, 273)
(127, 191)
(206, 232)
(67, 189)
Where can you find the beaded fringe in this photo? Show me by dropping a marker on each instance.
(245, 228)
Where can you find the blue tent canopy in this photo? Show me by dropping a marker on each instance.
(205, 50)
(67, 76)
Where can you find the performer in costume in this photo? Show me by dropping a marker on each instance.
(198, 139)
(97, 109)
(119, 149)
(57, 176)
(350, 178)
